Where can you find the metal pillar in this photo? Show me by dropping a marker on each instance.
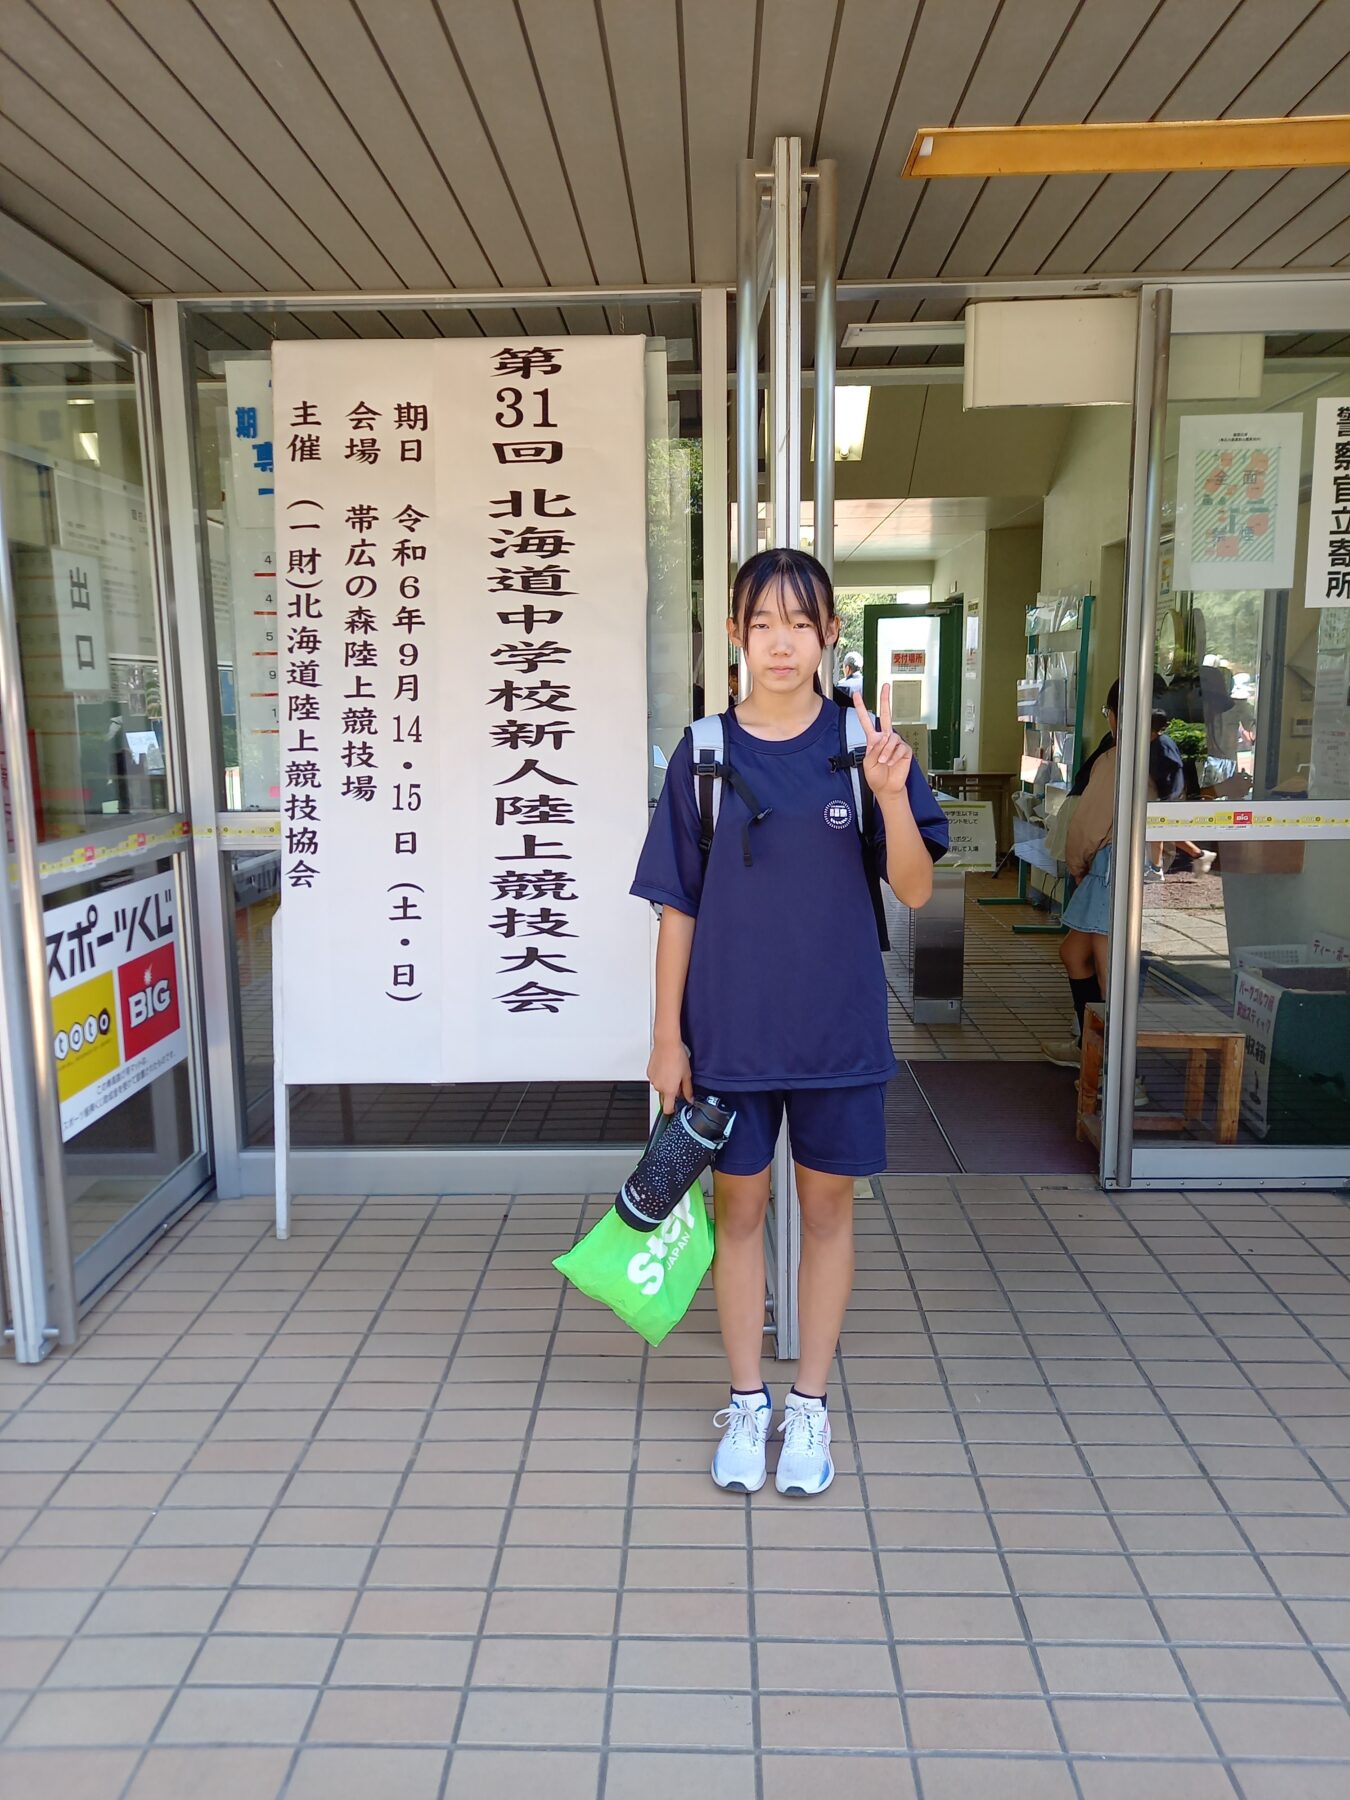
(1136, 700)
(785, 347)
(747, 361)
(785, 182)
(201, 779)
(28, 1088)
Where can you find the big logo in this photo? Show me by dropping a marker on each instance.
(149, 992)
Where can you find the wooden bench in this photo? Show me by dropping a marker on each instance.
(1195, 1031)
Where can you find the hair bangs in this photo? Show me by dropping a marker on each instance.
(791, 574)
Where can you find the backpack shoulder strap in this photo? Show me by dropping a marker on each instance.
(707, 744)
(852, 749)
(854, 746)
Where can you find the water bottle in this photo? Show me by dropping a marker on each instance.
(678, 1151)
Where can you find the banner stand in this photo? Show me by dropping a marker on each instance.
(281, 1110)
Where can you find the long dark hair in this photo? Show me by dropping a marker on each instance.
(782, 572)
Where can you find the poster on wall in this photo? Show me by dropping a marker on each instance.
(971, 823)
(1329, 768)
(117, 1016)
(108, 521)
(1237, 501)
(1328, 580)
(249, 481)
(461, 559)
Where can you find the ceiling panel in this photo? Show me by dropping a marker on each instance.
(1022, 42)
(285, 145)
(55, 89)
(940, 61)
(642, 48)
(196, 59)
(794, 58)
(1092, 48)
(1290, 80)
(1247, 66)
(498, 68)
(223, 157)
(719, 78)
(272, 57)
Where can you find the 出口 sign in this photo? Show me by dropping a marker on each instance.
(461, 560)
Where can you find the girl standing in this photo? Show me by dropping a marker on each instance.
(770, 991)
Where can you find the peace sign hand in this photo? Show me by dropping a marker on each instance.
(887, 758)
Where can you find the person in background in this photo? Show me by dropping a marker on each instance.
(1087, 913)
(851, 678)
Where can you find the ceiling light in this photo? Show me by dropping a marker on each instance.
(913, 335)
(850, 422)
(1304, 141)
(56, 350)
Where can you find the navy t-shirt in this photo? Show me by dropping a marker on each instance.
(786, 987)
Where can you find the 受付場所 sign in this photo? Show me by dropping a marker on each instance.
(461, 570)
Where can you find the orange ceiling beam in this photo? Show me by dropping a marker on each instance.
(1304, 141)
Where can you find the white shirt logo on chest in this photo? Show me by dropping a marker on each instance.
(839, 814)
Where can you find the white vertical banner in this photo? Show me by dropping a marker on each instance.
(461, 559)
(1237, 501)
(1328, 582)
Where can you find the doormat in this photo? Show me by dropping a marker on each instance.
(914, 1142)
(998, 1118)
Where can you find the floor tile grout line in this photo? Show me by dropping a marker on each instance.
(977, 1477)
(1233, 1518)
(883, 1596)
(232, 1587)
(625, 1542)
(752, 1634)
(527, 1439)
(1279, 1299)
(152, 1513)
(1089, 1472)
(418, 1240)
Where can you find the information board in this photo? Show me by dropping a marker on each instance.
(461, 564)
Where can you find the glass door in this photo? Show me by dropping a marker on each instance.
(1244, 1027)
(92, 798)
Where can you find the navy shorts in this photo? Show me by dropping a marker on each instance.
(839, 1130)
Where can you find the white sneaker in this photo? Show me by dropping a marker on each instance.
(738, 1462)
(1065, 1053)
(804, 1465)
(1152, 872)
(1205, 862)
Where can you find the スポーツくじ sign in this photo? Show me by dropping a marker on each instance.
(117, 1012)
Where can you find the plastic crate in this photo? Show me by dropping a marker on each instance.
(1253, 956)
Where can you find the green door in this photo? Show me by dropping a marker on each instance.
(944, 738)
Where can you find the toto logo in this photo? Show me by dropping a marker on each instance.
(82, 1035)
(839, 814)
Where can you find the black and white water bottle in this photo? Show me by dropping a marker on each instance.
(679, 1150)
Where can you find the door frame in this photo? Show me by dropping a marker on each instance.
(50, 1285)
(948, 612)
(1168, 310)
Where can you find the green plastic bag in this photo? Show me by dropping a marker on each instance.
(649, 1278)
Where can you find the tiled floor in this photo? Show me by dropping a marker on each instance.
(386, 1511)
